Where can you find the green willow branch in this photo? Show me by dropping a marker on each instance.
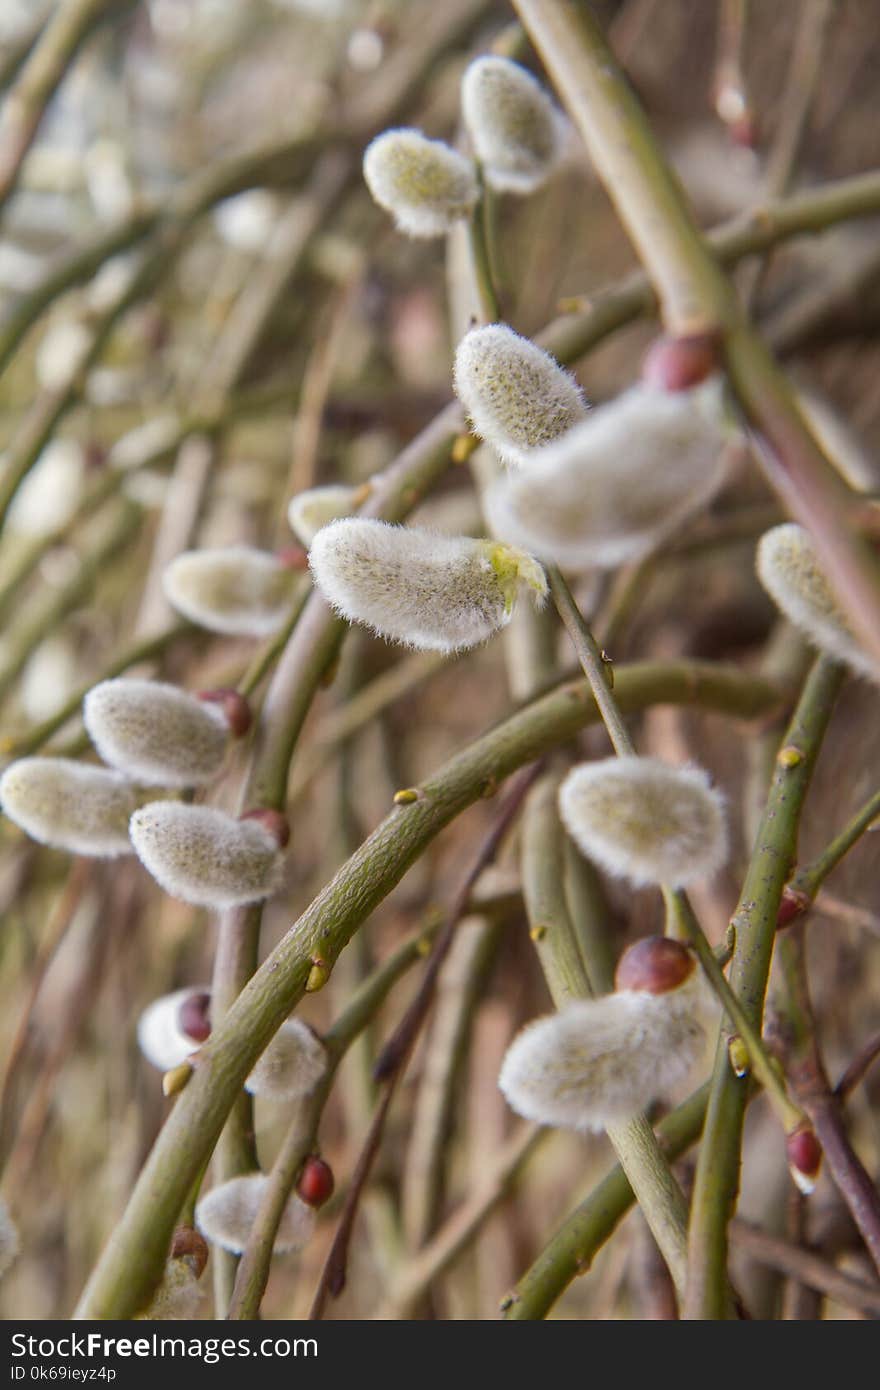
(285, 161)
(567, 974)
(755, 918)
(253, 1268)
(40, 76)
(585, 1231)
(136, 1251)
(793, 1026)
(802, 888)
(696, 297)
(680, 914)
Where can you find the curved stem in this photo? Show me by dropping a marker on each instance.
(717, 1174)
(134, 1256)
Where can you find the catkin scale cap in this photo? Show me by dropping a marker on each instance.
(237, 591)
(203, 856)
(602, 1060)
(424, 184)
(613, 486)
(70, 805)
(432, 592)
(155, 733)
(654, 965)
(174, 1026)
(516, 130)
(516, 395)
(789, 570)
(645, 821)
(226, 1214)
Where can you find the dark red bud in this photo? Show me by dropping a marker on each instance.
(187, 1244)
(194, 1016)
(235, 708)
(677, 364)
(804, 1158)
(293, 557)
(654, 965)
(315, 1183)
(793, 904)
(273, 821)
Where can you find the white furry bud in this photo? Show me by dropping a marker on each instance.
(603, 1060)
(177, 1298)
(436, 593)
(789, 570)
(318, 506)
(237, 591)
(613, 486)
(424, 184)
(70, 805)
(291, 1066)
(204, 856)
(226, 1214)
(516, 129)
(643, 820)
(161, 1034)
(50, 493)
(157, 734)
(9, 1242)
(517, 396)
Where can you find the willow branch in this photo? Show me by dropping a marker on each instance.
(717, 1174)
(135, 1253)
(696, 297)
(40, 76)
(585, 1231)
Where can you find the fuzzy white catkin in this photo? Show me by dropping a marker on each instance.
(155, 733)
(9, 1241)
(177, 1298)
(517, 131)
(291, 1066)
(237, 591)
(203, 856)
(70, 805)
(602, 1060)
(612, 487)
(432, 592)
(424, 184)
(160, 1036)
(51, 491)
(789, 570)
(517, 396)
(318, 506)
(645, 821)
(226, 1214)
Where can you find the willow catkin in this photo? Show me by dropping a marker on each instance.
(226, 1215)
(155, 733)
(517, 131)
(789, 570)
(425, 185)
(70, 805)
(645, 821)
(410, 585)
(611, 488)
(516, 395)
(205, 857)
